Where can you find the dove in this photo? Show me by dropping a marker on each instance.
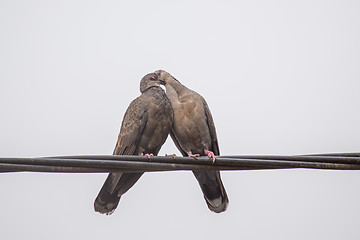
(146, 124)
(194, 134)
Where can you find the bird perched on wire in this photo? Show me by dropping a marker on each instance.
(194, 135)
(144, 129)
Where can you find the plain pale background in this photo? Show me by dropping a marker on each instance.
(280, 77)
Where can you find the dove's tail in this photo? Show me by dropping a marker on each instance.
(116, 184)
(213, 190)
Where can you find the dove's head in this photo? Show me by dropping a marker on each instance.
(148, 81)
(164, 76)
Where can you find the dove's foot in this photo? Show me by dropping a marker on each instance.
(193, 155)
(148, 155)
(170, 155)
(210, 154)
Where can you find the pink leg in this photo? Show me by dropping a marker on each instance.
(193, 155)
(210, 154)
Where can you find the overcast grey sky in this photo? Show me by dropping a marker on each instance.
(280, 77)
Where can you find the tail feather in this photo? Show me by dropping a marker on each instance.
(213, 190)
(115, 185)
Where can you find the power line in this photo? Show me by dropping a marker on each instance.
(131, 163)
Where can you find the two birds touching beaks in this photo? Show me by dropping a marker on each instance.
(147, 122)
